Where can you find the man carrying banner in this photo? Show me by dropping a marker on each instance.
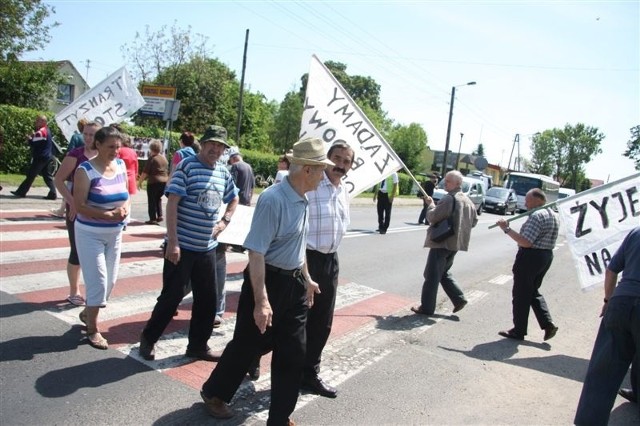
(618, 342)
(536, 241)
(442, 253)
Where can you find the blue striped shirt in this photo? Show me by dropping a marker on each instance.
(202, 190)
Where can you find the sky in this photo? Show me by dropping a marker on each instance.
(537, 65)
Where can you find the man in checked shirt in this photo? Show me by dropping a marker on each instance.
(328, 221)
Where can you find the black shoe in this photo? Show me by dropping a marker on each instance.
(147, 350)
(510, 334)
(254, 369)
(383, 231)
(628, 394)
(316, 386)
(204, 355)
(460, 306)
(52, 197)
(17, 194)
(550, 331)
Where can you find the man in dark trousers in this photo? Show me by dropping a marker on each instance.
(196, 191)
(384, 193)
(536, 240)
(276, 293)
(618, 342)
(41, 143)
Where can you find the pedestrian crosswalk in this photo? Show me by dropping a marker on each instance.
(33, 259)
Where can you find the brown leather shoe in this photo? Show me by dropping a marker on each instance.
(204, 355)
(216, 407)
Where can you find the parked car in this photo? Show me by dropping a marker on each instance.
(472, 188)
(501, 200)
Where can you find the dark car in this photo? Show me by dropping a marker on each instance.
(500, 200)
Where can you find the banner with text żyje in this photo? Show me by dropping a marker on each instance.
(595, 223)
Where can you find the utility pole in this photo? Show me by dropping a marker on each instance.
(516, 140)
(244, 65)
(86, 77)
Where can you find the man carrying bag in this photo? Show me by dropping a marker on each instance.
(453, 219)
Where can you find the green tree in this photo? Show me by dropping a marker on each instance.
(633, 146)
(28, 84)
(479, 150)
(409, 142)
(568, 149)
(208, 92)
(23, 28)
(364, 90)
(286, 127)
(543, 153)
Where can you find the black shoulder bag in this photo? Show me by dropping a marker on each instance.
(444, 229)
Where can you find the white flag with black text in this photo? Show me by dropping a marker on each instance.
(331, 115)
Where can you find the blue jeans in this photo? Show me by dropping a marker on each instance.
(439, 262)
(616, 346)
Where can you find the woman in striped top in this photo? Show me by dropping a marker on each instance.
(102, 203)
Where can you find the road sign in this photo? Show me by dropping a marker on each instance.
(155, 98)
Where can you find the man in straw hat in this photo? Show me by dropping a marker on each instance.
(276, 293)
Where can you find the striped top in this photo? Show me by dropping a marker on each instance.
(105, 193)
(202, 190)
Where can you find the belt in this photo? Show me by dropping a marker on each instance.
(295, 273)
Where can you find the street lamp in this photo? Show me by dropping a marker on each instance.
(446, 146)
(459, 148)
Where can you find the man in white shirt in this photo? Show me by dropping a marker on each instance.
(328, 222)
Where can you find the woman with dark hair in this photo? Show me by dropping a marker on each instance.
(187, 145)
(102, 201)
(157, 171)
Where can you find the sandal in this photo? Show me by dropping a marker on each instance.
(76, 300)
(83, 317)
(97, 341)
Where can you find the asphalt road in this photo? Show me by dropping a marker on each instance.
(391, 367)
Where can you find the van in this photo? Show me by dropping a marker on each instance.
(472, 188)
(487, 180)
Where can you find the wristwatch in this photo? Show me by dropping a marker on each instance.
(506, 230)
(226, 218)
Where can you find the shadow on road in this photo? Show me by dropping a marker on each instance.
(503, 350)
(26, 348)
(66, 381)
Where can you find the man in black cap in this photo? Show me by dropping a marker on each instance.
(197, 189)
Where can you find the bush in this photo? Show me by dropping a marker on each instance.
(15, 125)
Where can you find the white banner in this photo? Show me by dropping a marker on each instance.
(331, 115)
(237, 230)
(595, 223)
(111, 101)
